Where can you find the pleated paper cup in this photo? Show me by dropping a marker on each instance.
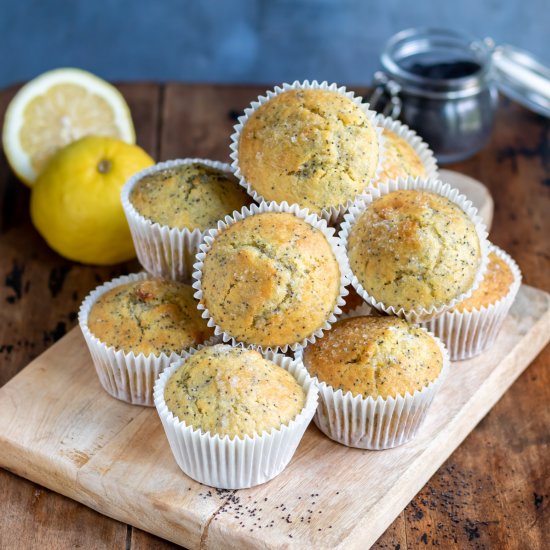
(469, 333)
(421, 148)
(332, 214)
(434, 186)
(359, 311)
(164, 251)
(124, 375)
(253, 210)
(238, 462)
(375, 424)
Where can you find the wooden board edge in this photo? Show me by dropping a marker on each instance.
(420, 472)
(62, 342)
(48, 476)
(71, 483)
(371, 528)
(151, 524)
(104, 486)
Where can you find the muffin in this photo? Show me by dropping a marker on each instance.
(413, 250)
(270, 279)
(234, 417)
(135, 327)
(234, 392)
(400, 159)
(151, 316)
(314, 147)
(171, 205)
(494, 286)
(473, 325)
(405, 153)
(191, 196)
(375, 357)
(378, 376)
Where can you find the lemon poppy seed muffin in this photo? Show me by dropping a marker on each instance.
(270, 279)
(316, 148)
(400, 158)
(375, 357)
(495, 285)
(192, 196)
(149, 316)
(233, 391)
(414, 249)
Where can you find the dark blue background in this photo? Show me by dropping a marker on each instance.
(241, 40)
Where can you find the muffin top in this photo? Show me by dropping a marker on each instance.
(192, 196)
(375, 356)
(495, 285)
(400, 158)
(414, 249)
(316, 148)
(151, 316)
(270, 279)
(233, 391)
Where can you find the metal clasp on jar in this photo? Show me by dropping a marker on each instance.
(385, 97)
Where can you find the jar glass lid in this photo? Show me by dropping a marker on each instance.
(522, 77)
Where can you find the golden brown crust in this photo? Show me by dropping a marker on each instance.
(234, 392)
(271, 279)
(316, 148)
(414, 249)
(151, 316)
(192, 196)
(400, 159)
(375, 356)
(495, 285)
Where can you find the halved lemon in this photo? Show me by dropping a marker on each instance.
(57, 108)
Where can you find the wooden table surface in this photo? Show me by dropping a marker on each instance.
(493, 492)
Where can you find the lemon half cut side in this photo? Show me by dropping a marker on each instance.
(57, 108)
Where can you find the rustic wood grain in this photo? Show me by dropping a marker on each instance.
(115, 458)
(198, 119)
(40, 293)
(494, 490)
(40, 518)
(141, 540)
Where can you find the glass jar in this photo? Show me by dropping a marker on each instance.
(439, 83)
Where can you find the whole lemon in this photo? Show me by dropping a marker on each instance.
(75, 202)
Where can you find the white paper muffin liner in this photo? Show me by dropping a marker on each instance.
(469, 333)
(358, 311)
(237, 463)
(421, 148)
(331, 214)
(124, 375)
(252, 210)
(164, 251)
(375, 424)
(434, 186)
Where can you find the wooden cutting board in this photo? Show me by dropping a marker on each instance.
(61, 430)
